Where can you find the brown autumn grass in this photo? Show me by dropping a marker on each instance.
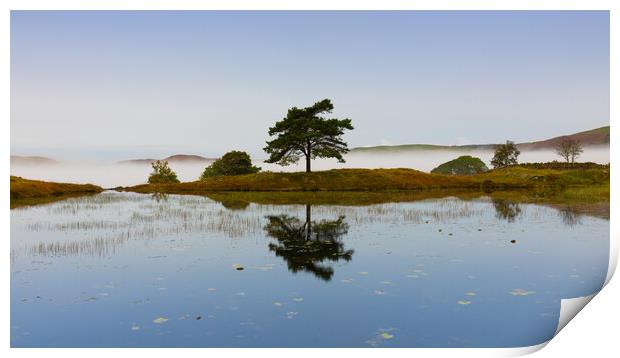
(510, 178)
(26, 191)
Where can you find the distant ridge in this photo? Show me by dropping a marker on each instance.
(590, 138)
(177, 158)
(32, 160)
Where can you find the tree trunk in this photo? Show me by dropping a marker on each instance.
(308, 159)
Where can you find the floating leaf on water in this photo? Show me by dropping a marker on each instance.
(277, 304)
(521, 292)
(386, 335)
(470, 293)
(298, 299)
(347, 280)
(160, 320)
(386, 282)
(463, 302)
(135, 327)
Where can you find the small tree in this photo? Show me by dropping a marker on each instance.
(569, 149)
(162, 173)
(505, 155)
(304, 132)
(231, 163)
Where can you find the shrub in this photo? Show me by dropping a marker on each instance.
(463, 165)
(505, 155)
(232, 163)
(162, 173)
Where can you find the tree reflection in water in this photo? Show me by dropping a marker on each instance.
(305, 245)
(506, 210)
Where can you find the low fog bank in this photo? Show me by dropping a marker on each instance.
(104, 175)
(428, 160)
(112, 175)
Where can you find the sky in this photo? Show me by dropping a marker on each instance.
(125, 84)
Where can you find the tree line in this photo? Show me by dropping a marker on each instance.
(309, 134)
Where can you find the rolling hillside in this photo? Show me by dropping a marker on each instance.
(590, 138)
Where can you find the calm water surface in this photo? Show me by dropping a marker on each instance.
(134, 270)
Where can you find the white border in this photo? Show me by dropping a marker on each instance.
(569, 345)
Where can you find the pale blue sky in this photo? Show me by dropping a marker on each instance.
(139, 83)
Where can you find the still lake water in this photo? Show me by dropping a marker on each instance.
(135, 270)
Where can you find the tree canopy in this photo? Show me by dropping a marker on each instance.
(162, 173)
(505, 155)
(304, 132)
(231, 163)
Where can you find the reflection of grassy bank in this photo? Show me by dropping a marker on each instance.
(579, 200)
(31, 192)
(388, 180)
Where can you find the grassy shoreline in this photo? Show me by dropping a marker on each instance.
(386, 180)
(30, 192)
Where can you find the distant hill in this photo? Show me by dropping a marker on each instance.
(25, 160)
(590, 138)
(594, 137)
(177, 158)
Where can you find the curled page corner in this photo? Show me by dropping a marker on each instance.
(613, 258)
(569, 307)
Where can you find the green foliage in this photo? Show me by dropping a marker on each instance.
(304, 132)
(463, 165)
(162, 173)
(232, 163)
(505, 155)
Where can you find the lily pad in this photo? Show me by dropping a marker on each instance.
(386, 335)
(160, 320)
(464, 302)
(521, 292)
